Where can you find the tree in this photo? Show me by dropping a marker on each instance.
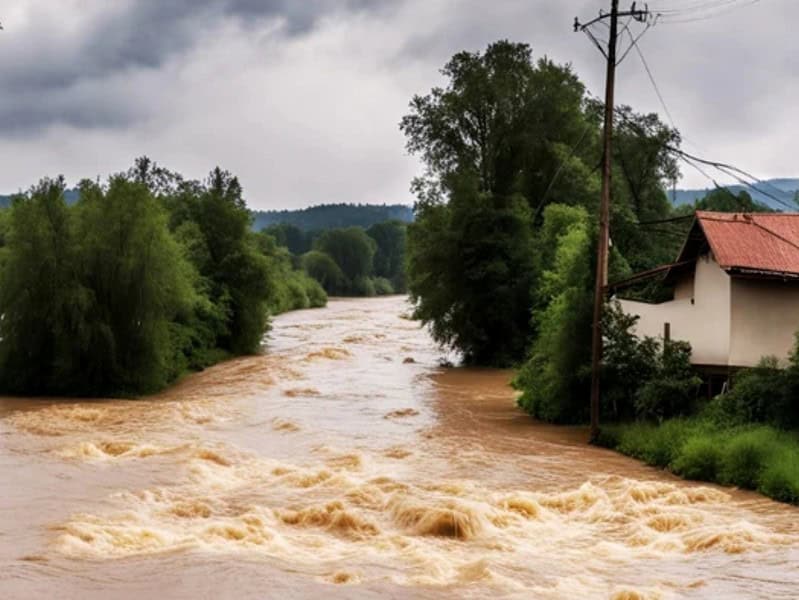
(290, 236)
(470, 266)
(90, 294)
(40, 294)
(237, 274)
(139, 284)
(492, 140)
(325, 270)
(723, 200)
(389, 259)
(498, 118)
(555, 378)
(351, 249)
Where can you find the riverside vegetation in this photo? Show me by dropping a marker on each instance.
(136, 281)
(501, 262)
(142, 279)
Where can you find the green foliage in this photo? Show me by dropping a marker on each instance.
(628, 363)
(323, 269)
(92, 295)
(699, 458)
(554, 380)
(389, 259)
(759, 458)
(656, 445)
(779, 478)
(290, 288)
(498, 118)
(745, 456)
(470, 272)
(140, 280)
(332, 216)
(237, 274)
(290, 236)
(672, 389)
(351, 249)
(362, 286)
(765, 393)
(723, 200)
(382, 286)
(644, 377)
(505, 129)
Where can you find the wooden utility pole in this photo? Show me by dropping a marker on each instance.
(604, 206)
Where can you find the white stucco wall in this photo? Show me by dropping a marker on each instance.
(764, 318)
(705, 323)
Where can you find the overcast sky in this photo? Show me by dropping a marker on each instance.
(301, 98)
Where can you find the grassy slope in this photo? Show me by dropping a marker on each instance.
(753, 457)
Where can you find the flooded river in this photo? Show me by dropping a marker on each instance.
(346, 462)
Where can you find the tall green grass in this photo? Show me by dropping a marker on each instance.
(759, 458)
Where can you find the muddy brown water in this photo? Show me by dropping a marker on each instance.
(336, 466)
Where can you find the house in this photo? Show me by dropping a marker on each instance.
(736, 290)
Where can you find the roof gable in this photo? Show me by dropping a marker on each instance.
(758, 243)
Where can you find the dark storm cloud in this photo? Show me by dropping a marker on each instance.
(301, 98)
(55, 75)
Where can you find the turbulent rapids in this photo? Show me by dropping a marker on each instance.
(347, 462)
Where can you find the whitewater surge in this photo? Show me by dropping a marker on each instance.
(331, 467)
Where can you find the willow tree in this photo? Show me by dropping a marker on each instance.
(90, 294)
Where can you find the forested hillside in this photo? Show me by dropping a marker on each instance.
(786, 190)
(329, 216)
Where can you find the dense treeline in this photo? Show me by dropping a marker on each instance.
(331, 216)
(501, 251)
(501, 265)
(349, 261)
(143, 278)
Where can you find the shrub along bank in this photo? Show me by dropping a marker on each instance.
(349, 261)
(747, 437)
(755, 457)
(144, 278)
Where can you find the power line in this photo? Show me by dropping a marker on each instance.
(552, 181)
(696, 7)
(652, 80)
(733, 171)
(674, 19)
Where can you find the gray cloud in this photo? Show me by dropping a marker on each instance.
(45, 67)
(302, 98)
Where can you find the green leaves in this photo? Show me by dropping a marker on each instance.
(145, 277)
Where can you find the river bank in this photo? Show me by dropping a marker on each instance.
(333, 466)
(755, 457)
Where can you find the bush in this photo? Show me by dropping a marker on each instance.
(699, 458)
(363, 286)
(745, 456)
(324, 269)
(555, 379)
(760, 458)
(656, 445)
(382, 286)
(755, 393)
(780, 478)
(317, 297)
(627, 362)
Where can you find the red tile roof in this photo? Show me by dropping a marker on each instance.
(756, 242)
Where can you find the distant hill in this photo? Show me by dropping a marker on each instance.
(785, 189)
(71, 196)
(329, 216)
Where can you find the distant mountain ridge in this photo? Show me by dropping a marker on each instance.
(322, 216)
(784, 189)
(330, 216)
(71, 197)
